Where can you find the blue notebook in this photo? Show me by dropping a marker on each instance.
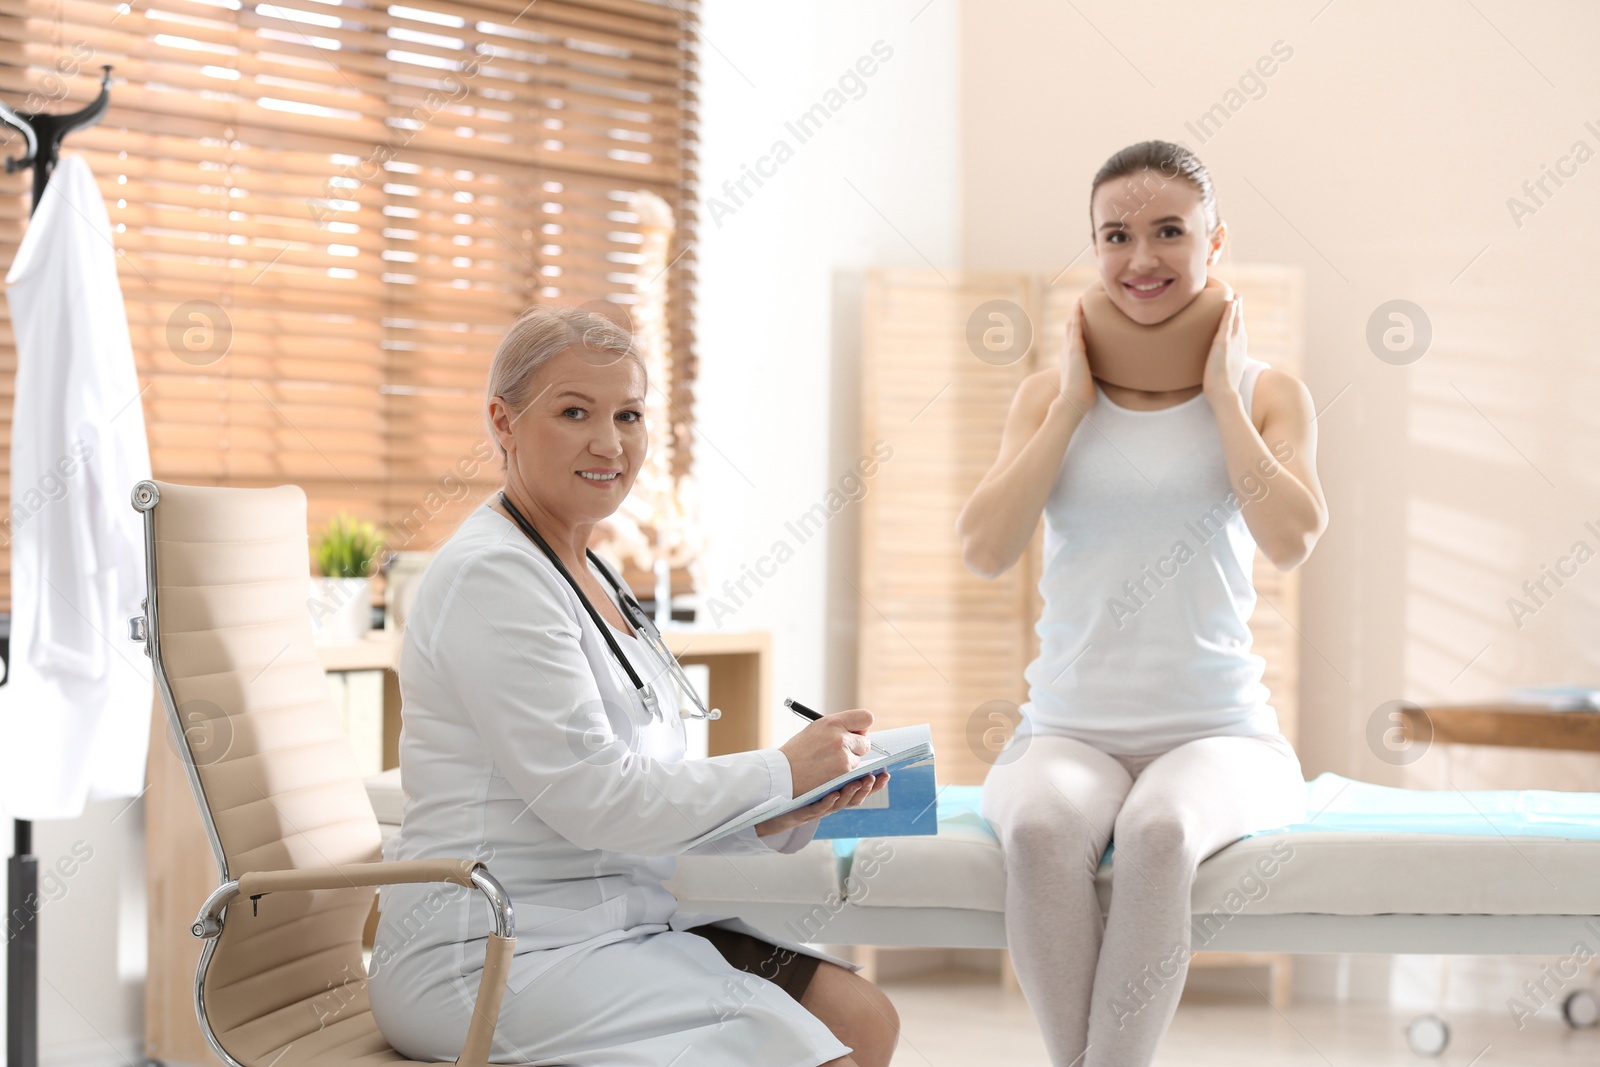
(906, 807)
(907, 751)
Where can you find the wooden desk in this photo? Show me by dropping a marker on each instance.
(378, 652)
(739, 664)
(1505, 725)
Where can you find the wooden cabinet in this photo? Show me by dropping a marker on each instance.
(1503, 725)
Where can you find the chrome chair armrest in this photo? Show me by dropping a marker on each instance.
(469, 873)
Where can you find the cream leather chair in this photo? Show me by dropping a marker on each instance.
(281, 980)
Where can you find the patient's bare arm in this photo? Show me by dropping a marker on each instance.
(1003, 512)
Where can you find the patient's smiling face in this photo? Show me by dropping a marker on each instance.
(1151, 243)
(574, 450)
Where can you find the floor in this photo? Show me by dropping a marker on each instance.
(963, 1019)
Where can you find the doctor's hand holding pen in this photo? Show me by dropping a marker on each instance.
(826, 748)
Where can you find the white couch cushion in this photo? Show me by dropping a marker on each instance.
(1317, 871)
(809, 876)
(1320, 872)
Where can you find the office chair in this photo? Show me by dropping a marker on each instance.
(281, 981)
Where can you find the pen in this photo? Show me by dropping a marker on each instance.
(806, 713)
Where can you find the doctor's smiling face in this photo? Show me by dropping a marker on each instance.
(1154, 238)
(574, 438)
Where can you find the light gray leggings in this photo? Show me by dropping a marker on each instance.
(1103, 991)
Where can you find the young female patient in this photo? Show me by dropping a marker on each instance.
(1147, 723)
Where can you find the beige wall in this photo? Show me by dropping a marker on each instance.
(778, 319)
(1379, 156)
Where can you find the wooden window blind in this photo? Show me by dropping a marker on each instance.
(328, 211)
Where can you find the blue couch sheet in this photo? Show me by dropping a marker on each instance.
(1335, 804)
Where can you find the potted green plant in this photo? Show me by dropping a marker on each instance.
(347, 552)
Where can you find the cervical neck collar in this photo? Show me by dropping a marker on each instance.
(1167, 356)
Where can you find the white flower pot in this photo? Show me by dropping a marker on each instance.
(341, 609)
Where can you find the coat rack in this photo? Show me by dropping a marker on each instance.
(42, 134)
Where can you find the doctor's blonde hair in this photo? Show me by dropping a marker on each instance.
(538, 336)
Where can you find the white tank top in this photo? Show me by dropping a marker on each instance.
(1145, 635)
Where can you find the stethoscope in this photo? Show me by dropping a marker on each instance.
(637, 618)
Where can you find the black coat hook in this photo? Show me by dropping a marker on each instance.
(44, 133)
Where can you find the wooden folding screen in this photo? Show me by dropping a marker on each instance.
(938, 644)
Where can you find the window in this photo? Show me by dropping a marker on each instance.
(327, 212)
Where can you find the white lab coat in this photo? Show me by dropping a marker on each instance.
(75, 712)
(526, 746)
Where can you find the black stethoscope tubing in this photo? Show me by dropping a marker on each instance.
(646, 693)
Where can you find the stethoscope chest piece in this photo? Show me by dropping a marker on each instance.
(652, 702)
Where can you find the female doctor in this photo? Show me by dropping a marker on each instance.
(543, 736)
